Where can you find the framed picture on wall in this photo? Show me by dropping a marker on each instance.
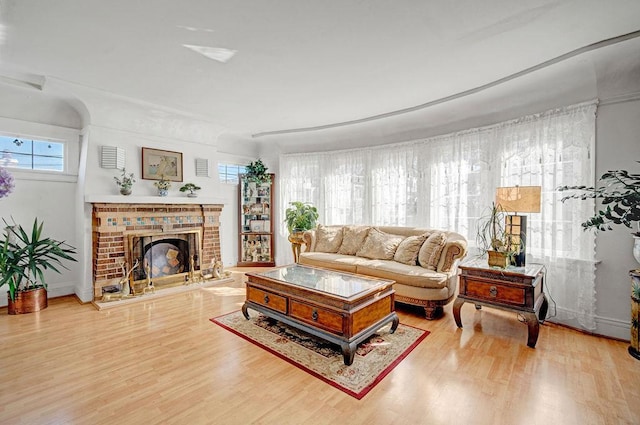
(157, 163)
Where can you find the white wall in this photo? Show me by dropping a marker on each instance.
(48, 196)
(617, 147)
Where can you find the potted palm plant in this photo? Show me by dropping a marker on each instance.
(24, 258)
(619, 193)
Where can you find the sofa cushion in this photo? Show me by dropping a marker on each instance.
(403, 274)
(345, 263)
(379, 245)
(352, 239)
(407, 252)
(328, 238)
(429, 254)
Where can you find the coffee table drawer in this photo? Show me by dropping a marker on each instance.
(318, 317)
(495, 292)
(267, 299)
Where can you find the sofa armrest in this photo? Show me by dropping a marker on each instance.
(453, 251)
(309, 238)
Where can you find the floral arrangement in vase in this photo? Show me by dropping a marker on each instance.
(163, 186)
(125, 182)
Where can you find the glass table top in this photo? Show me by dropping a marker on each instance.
(530, 269)
(332, 282)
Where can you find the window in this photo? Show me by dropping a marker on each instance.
(448, 182)
(229, 172)
(31, 154)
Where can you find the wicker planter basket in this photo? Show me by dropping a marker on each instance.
(498, 259)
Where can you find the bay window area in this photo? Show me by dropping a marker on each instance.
(449, 181)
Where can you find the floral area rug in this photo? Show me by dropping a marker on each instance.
(374, 359)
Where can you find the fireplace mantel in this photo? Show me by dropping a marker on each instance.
(117, 220)
(173, 200)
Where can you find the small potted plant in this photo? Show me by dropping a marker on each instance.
(24, 257)
(191, 188)
(493, 239)
(125, 182)
(163, 186)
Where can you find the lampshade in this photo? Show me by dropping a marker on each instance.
(519, 198)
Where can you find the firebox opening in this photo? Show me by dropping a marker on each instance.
(163, 258)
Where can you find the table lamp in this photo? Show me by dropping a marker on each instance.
(518, 199)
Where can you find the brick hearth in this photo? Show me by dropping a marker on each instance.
(113, 223)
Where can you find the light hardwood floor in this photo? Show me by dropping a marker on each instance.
(163, 361)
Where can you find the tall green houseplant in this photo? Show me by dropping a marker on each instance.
(619, 193)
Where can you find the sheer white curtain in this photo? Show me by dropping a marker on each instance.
(449, 181)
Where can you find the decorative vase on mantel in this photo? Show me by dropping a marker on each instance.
(126, 191)
(163, 185)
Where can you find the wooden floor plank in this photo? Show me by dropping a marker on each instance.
(163, 361)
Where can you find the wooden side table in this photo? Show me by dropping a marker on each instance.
(518, 289)
(296, 244)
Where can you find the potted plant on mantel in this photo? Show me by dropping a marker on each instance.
(620, 192)
(125, 182)
(492, 238)
(163, 185)
(191, 188)
(23, 260)
(300, 216)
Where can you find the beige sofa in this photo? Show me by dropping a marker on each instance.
(423, 262)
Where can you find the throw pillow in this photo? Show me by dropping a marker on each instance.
(352, 239)
(379, 245)
(407, 252)
(328, 238)
(429, 254)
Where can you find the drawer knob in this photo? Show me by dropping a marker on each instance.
(266, 299)
(314, 315)
(493, 291)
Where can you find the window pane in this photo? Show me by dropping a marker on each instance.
(229, 172)
(31, 154)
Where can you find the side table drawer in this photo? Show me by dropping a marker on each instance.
(318, 317)
(268, 299)
(495, 292)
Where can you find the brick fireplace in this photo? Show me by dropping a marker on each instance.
(126, 231)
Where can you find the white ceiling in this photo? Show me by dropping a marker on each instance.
(297, 63)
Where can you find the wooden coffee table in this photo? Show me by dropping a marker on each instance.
(342, 308)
